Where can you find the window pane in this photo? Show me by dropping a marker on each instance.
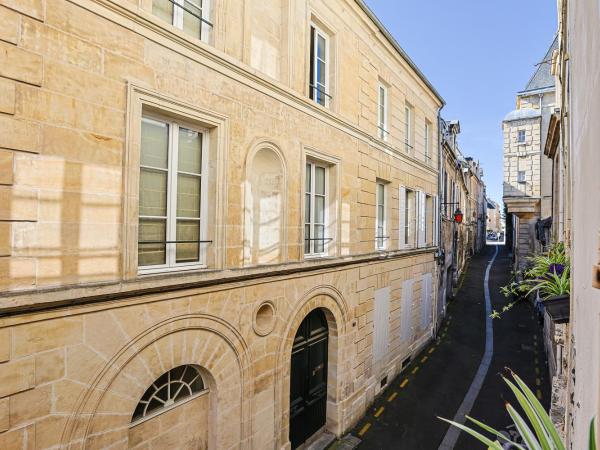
(307, 237)
(188, 196)
(320, 74)
(153, 192)
(163, 9)
(380, 190)
(155, 143)
(307, 208)
(319, 209)
(320, 180)
(319, 243)
(321, 47)
(191, 18)
(188, 230)
(308, 178)
(152, 230)
(190, 151)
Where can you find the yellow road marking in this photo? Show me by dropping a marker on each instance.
(392, 397)
(379, 412)
(364, 429)
(538, 382)
(415, 370)
(535, 360)
(537, 371)
(539, 394)
(404, 383)
(431, 350)
(423, 359)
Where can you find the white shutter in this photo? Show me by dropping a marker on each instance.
(381, 323)
(421, 206)
(402, 214)
(406, 311)
(436, 217)
(426, 298)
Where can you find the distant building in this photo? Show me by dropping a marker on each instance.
(494, 217)
(527, 173)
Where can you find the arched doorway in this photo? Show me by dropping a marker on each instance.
(308, 378)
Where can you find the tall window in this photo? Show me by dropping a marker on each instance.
(171, 209)
(429, 220)
(380, 219)
(427, 140)
(521, 136)
(408, 127)
(410, 218)
(382, 120)
(170, 388)
(191, 16)
(521, 176)
(319, 66)
(315, 209)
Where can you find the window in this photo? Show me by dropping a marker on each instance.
(408, 127)
(382, 121)
(170, 388)
(191, 16)
(171, 207)
(319, 66)
(380, 219)
(521, 176)
(521, 136)
(427, 140)
(315, 209)
(408, 217)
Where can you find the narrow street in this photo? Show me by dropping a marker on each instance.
(440, 379)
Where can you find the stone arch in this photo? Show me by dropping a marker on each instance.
(103, 412)
(265, 194)
(338, 316)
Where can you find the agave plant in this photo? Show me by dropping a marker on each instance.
(537, 432)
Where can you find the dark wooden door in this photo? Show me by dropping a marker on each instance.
(308, 378)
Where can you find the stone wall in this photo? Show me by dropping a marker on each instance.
(83, 333)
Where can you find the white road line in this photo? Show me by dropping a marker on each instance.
(465, 407)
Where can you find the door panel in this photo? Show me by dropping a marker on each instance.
(308, 378)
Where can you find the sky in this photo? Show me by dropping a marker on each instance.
(478, 54)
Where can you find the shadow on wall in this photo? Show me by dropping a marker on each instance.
(510, 190)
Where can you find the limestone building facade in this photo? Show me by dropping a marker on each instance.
(527, 186)
(211, 215)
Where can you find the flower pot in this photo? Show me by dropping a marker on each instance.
(558, 308)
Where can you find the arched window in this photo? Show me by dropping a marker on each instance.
(170, 388)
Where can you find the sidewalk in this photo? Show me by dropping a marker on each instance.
(435, 384)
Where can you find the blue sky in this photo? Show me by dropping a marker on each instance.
(478, 54)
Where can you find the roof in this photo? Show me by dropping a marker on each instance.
(521, 114)
(542, 78)
(399, 49)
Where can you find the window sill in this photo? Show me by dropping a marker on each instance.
(161, 270)
(168, 408)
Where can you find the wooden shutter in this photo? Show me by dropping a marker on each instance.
(406, 311)
(421, 217)
(426, 297)
(381, 323)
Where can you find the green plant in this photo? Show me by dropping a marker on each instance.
(538, 431)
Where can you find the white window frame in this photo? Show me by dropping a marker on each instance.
(326, 243)
(326, 88)
(383, 219)
(171, 218)
(427, 140)
(382, 111)
(519, 134)
(408, 127)
(178, 14)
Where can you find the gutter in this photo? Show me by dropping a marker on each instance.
(397, 47)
